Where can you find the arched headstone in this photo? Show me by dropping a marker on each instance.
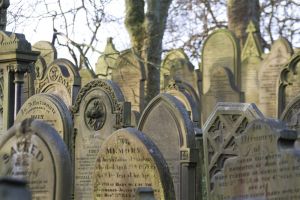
(99, 110)
(291, 114)
(62, 79)
(167, 123)
(220, 49)
(33, 150)
(127, 161)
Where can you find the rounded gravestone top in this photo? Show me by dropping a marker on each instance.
(127, 161)
(48, 51)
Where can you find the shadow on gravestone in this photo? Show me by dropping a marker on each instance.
(129, 160)
(32, 150)
(144, 193)
(269, 74)
(267, 165)
(289, 83)
(167, 123)
(99, 110)
(226, 122)
(62, 79)
(14, 189)
(212, 56)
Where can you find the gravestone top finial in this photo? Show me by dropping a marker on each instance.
(251, 27)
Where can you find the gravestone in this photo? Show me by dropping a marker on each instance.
(188, 97)
(14, 189)
(213, 56)
(224, 125)
(176, 66)
(62, 79)
(32, 150)
(16, 58)
(127, 161)
(99, 110)
(48, 51)
(291, 114)
(251, 60)
(144, 193)
(50, 109)
(269, 74)
(86, 75)
(222, 89)
(167, 123)
(266, 167)
(130, 76)
(289, 84)
(106, 62)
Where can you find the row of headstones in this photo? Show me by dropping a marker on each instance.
(226, 74)
(98, 111)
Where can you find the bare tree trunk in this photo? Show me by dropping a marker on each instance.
(146, 31)
(240, 12)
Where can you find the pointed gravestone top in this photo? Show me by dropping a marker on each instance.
(251, 27)
(252, 46)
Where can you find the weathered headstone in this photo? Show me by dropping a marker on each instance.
(176, 66)
(48, 51)
(291, 114)
(130, 76)
(226, 122)
(167, 123)
(14, 189)
(127, 161)
(266, 167)
(188, 96)
(221, 89)
(62, 79)
(269, 74)
(51, 110)
(86, 75)
(106, 62)
(213, 56)
(289, 85)
(251, 60)
(32, 150)
(99, 110)
(16, 58)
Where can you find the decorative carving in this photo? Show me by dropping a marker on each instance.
(95, 114)
(53, 73)
(14, 41)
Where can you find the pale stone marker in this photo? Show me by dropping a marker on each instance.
(129, 160)
(62, 79)
(167, 123)
(176, 66)
(99, 110)
(130, 76)
(221, 89)
(269, 74)
(251, 60)
(289, 85)
(50, 109)
(266, 167)
(106, 62)
(226, 122)
(48, 51)
(33, 150)
(220, 49)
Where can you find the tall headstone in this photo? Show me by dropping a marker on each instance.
(176, 66)
(52, 110)
(213, 56)
(16, 58)
(62, 79)
(266, 166)
(251, 60)
(32, 150)
(221, 89)
(167, 123)
(269, 74)
(291, 114)
(106, 62)
(224, 125)
(289, 84)
(99, 110)
(127, 161)
(48, 51)
(130, 76)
